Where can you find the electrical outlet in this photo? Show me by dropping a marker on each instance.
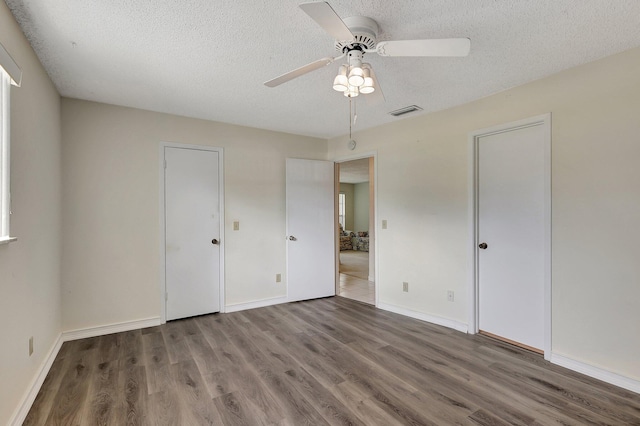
(405, 286)
(450, 295)
(236, 226)
(278, 278)
(384, 224)
(30, 345)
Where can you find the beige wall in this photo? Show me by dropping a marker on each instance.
(29, 267)
(111, 215)
(361, 207)
(110, 185)
(348, 189)
(596, 206)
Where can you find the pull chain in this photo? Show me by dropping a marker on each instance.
(355, 112)
(349, 118)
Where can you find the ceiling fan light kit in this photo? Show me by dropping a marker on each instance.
(367, 86)
(357, 35)
(356, 75)
(359, 78)
(341, 82)
(352, 92)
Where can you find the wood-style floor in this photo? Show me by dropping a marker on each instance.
(326, 361)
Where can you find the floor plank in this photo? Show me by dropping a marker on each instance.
(70, 403)
(327, 361)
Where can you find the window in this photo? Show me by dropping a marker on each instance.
(341, 208)
(10, 74)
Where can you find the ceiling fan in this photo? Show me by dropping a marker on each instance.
(357, 35)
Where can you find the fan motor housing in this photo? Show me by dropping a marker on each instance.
(365, 31)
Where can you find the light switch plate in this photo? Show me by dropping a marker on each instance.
(236, 226)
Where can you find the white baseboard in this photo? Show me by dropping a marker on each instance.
(256, 304)
(445, 322)
(101, 330)
(27, 401)
(597, 373)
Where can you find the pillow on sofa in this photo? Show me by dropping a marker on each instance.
(363, 234)
(363, 244)
(345, 243)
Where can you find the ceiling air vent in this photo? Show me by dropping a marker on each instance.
(405, 110)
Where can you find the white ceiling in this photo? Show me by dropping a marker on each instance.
(354, 171)
(209, 58)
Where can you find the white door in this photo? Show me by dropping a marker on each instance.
(511, 222)
(310, 229)
(192, 232)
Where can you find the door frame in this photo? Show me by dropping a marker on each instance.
(161, 162)
(473, 251)
(343, 159)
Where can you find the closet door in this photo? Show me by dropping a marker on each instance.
(192, 232)
(511, 233)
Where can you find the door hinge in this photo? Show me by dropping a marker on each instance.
(166, 296)
(165, 164)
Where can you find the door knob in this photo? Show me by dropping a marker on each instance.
(214, 241)
(292, 238)
(482, 246)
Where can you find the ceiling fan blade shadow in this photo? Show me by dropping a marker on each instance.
(328, 19)
(377, 97)
(433, 47)
(299, 71)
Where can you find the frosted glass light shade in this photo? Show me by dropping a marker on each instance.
(340, 83)
(367, 86)
(356, 76)
(352, 92)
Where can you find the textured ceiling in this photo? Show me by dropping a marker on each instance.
(209, 58)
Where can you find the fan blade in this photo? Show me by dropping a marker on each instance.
(299, 71)
(328, 19)
(435, 47)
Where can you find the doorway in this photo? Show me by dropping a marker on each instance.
(192, 228)
(511, 233)
(356, 228)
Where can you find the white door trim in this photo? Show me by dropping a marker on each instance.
(360, 156)
(163, 282)
(544, 120)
